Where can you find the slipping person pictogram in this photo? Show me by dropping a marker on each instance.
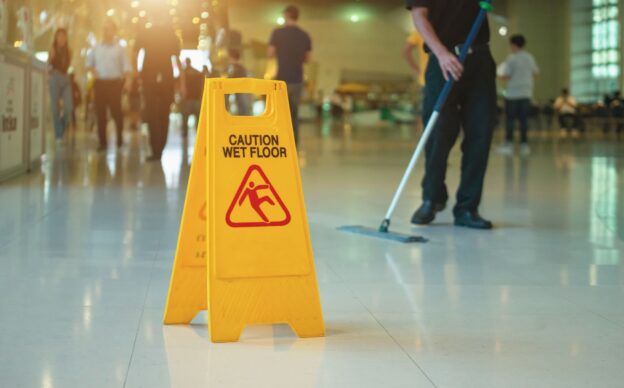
(255, 191)
(255, 200)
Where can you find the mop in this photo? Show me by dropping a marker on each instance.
(382, 231)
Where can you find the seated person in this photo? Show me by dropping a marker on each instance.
(567, 108)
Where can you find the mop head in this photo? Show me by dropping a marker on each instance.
(386, 235)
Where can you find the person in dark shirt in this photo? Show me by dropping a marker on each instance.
(159, 45)
(471, 105)
(59, 58)
(292, 47)
(194, 90)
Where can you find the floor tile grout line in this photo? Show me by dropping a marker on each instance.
(618, 324)
(384, 328)
(11, 239)
(402, 348)
(591, 311)
(138, 329)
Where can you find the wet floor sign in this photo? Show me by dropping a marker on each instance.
(244, 251)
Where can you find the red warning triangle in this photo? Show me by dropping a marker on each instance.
(256, 203)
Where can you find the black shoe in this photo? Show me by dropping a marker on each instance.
(472, 219)
(426, 212)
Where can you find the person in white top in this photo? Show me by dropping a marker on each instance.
(519, 70)
(109, 64)
(567, 108)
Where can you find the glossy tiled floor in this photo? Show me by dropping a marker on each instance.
(86, 247)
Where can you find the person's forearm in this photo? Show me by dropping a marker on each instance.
(424, 27)
(271, 51)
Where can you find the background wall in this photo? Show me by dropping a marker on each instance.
(372, 44)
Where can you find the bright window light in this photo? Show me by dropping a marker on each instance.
(605, 39)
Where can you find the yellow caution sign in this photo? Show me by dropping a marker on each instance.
(244, 250)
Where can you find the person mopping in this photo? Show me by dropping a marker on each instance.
(471, 105)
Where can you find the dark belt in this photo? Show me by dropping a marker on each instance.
(475, 48)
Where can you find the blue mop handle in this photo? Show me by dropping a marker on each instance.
(486, 6)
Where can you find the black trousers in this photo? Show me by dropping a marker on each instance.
(158, 97)
(517, 110)
(108, 97)
(472, 106)
(294, 98)
(567, 119)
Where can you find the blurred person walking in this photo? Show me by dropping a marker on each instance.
(159, 44)
(236, 69)
(471, 105)
(519, 70)
(59, 59)
(292, 47)
(109, 64)
(194, 89)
